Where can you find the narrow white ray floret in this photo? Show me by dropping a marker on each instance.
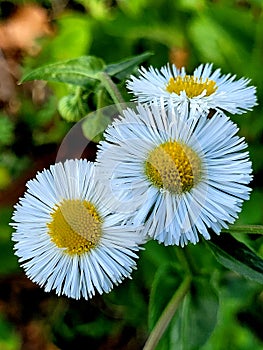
(178, 176)
(67, 238)
(204, 90)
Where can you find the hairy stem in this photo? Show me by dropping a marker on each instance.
(111, 88)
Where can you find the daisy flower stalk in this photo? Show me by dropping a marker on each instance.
(204, 90)
(66, 237)
(180, 177)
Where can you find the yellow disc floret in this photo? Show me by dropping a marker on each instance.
(192, 86)
(75, 226)
(173, 166)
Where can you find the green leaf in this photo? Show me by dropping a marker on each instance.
(194, 322)
(95, 123)
(80, 71)
(196, 317)
(166, 281)
(100, 327)
(236, 256)
(125, 67)
(169, 289)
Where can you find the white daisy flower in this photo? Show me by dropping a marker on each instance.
(202, 91)
(66, 237)
(179, 176)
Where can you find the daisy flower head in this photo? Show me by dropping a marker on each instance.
(66, 237)
(186, 176)
(204, 90)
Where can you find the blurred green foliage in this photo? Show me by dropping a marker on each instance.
(227, 33)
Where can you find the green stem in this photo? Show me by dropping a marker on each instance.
(100, 99)
(112, 89)
(167, 315)
(250, 229)
(180, 254)
(185, 258)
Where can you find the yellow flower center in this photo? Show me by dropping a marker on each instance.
(75, 226)
(173, 166)
(192, 86)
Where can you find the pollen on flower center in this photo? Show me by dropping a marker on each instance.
(173, 166)
(192, 86)
(75, 226)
